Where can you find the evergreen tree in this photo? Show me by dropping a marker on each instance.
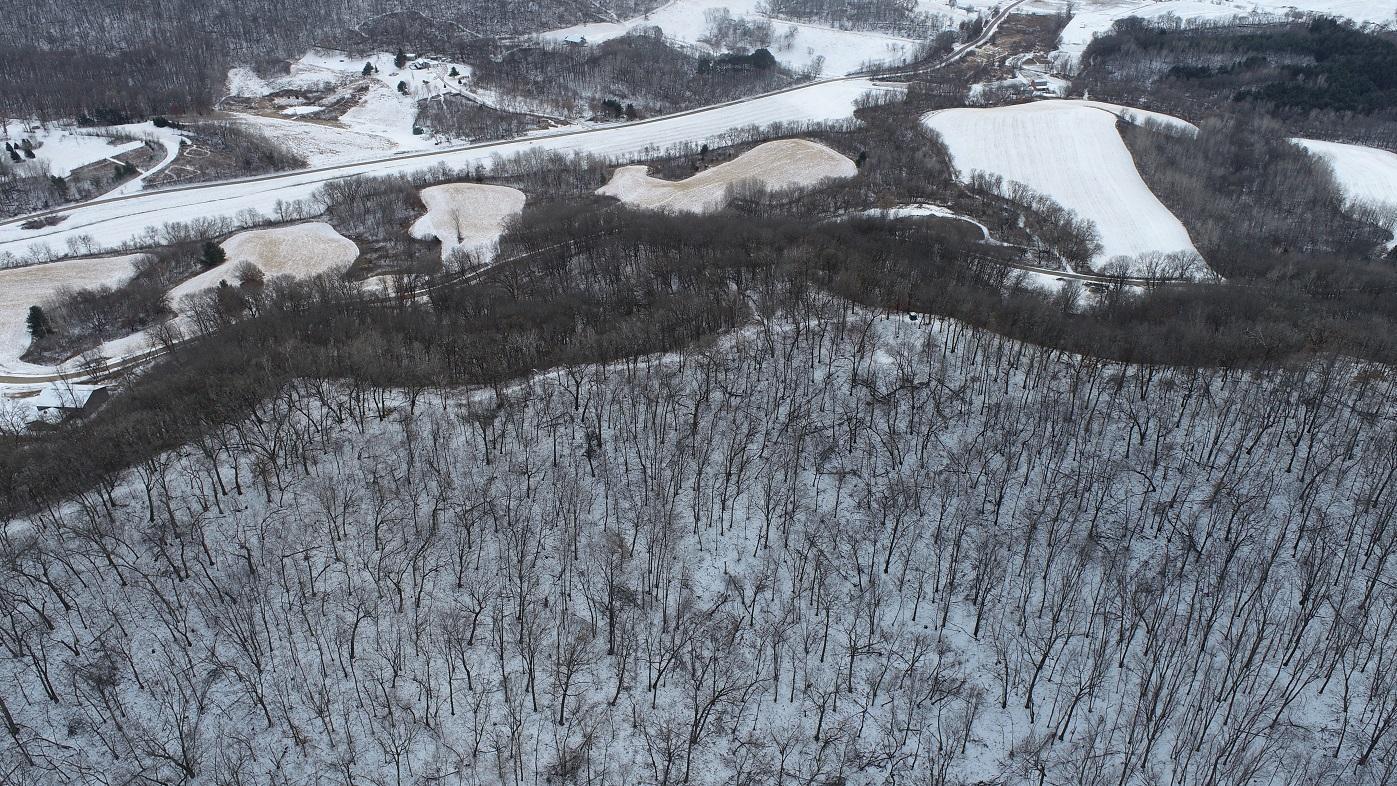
(454, 72)
(400, 59)
(402, 88)
(39, 326)
(214, 255)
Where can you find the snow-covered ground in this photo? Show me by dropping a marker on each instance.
(1071, 152)
(321, 144)
(784, 163)
(838, 52)
(1367, 176)
(382, 118)
(23, 287)
(1094, 18)
(110, 223)
(300, 251)
(58, 150)
(468, 217)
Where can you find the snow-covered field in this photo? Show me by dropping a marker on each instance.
(785, 163)
(297, 251)
(1367, 175)
(1094, 18)
(58, 150)
(1071, 152)
(111, 223)
(23, 287)
(300, 251)
(468, 217)
(322, 144)
(838, 52)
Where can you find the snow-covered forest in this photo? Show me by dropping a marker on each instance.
(833, 547)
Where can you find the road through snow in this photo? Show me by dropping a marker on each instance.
(114, 221)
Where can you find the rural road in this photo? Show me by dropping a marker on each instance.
(115, 219)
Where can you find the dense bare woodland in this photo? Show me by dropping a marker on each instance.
(835, 549)
(114, 61)
(790, 492)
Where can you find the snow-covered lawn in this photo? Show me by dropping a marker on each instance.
(1367, 176)
(23, 287)
(785, 163)
(467, 216)
(1094, 18)
(1071, 152)
(111, 223)
(838, 52)
(58, 150)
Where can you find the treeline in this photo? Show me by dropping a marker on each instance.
(1323, 77)
(632, 76)
(890, 16)
(1253, 201)
(458, 117)
(113, 61)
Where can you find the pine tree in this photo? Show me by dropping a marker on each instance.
(39, 326)
(368, 69)
(454, 72)
(400, 59)
(214, 255)
(402, 88)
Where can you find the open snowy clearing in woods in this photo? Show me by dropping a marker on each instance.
(1096, 18)
(300, 251)
(1367, 176)
(23, 287)
(467, 216)
(796, 45)
(58, 150)
(785, 163)
(1071, 152)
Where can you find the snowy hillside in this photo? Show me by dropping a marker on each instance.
(1071, 152)
(1367, 175)
(861, 552)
